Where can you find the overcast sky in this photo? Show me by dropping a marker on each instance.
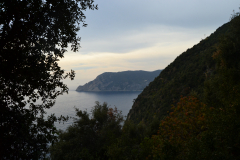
(142, 34)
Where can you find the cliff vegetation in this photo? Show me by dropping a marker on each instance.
(120, 81)
(191, 111)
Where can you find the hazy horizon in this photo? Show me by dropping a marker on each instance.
(147, 35)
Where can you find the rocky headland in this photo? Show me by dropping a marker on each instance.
(120, 81)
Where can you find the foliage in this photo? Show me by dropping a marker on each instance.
(205, 124)
(185, 122)
(207, 131)
(222, 93)
(123, 81)
(90, 136)
(193, 129)
(34, 35)
(127, 146)
(185, 75)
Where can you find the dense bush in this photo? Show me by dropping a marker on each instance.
(90, 136)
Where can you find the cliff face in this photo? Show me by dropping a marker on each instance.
(120, 81)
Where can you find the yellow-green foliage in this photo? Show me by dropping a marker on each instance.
(185, 122)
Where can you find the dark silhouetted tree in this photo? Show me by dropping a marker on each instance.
(90, 136)
(34, 35)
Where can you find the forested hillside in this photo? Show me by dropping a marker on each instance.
(184, 76)
(120, 81)
(201, 91)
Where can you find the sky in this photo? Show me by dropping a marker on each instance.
(141, 34)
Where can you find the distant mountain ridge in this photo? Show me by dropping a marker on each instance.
(120, 81)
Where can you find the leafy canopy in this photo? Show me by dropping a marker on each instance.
(90, 136)
(34, 35)
(209, 130)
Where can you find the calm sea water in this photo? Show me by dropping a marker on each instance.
(86, 100)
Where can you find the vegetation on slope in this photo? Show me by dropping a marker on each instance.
(203, 124)
(184, 76)
(208, 129)
(90, 136)
(120, 81)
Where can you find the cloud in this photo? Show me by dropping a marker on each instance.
(127, 14)
(130, 40)
(148, 57)
(142, 35)
(83, 68)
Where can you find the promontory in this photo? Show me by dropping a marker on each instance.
(120, 81)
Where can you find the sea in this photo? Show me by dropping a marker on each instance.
(65, 104)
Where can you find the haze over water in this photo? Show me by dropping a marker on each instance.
(86, 100)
